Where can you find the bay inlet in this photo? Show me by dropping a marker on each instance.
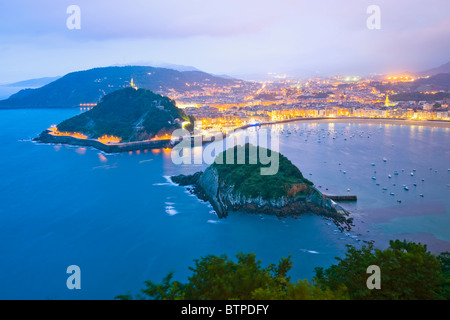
(119, 219)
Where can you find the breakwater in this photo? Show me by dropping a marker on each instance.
(342, 198)
(46, 137)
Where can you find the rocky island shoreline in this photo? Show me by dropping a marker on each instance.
(286, 194)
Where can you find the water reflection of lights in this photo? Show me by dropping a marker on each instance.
(81, 151)
(102, 158)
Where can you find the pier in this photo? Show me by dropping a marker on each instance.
(347, 198)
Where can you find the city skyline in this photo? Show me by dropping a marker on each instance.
(298, 38)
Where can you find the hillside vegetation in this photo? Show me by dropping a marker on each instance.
(247, 179)
(130, 114)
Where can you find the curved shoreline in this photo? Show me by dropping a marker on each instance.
(46, 137)
(407, 122)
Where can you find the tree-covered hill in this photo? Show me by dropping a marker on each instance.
(129, 114)
(247, 179)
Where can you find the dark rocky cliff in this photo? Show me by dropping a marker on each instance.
(224, 197)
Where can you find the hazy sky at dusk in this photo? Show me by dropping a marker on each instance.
(234, 37)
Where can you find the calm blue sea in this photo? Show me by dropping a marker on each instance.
(122, 222)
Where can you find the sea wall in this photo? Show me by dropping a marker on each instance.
(46, 137)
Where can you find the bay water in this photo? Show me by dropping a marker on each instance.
(120, 219)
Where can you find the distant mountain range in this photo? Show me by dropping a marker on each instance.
(90, 86)
(177, 67)
(8, 89)
(438, 82)
(32, 83)
(445, 68)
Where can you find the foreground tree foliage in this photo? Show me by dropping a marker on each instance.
(220, 278)
(408, 271)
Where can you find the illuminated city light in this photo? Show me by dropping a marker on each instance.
(53, 130)
(164, 137)
(185, 123)
(106, 139)
(88, 104)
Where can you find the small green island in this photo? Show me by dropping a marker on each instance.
(127, 119)
(241, 187)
